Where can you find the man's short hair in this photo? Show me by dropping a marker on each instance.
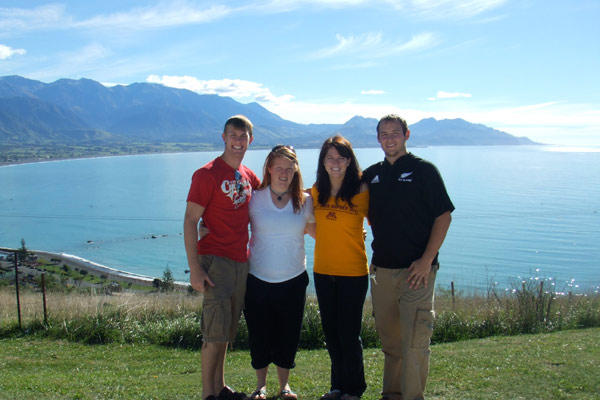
(393, 118)
(239, 122)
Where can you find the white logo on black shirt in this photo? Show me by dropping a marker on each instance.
(404, 177)
(376, 179)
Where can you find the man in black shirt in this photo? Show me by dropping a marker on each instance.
(409, 213)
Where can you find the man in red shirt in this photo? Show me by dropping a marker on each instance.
(218, 262)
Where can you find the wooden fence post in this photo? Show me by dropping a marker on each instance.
(541, 302)
(44, 298)
(16, 262)
(453, 301)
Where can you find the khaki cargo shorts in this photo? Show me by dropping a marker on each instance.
(222, 304)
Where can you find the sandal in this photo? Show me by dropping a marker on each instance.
(287, 394)
(334, 394)
(259, 394)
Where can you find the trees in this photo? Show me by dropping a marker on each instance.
(167, 283)
(22, 253)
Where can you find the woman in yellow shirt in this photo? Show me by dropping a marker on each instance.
(340, 264)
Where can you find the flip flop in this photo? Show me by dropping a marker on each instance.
(259, 394)
(286, 394)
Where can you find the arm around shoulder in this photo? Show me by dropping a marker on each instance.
(198, 277)
(311, 226)
(193, 213)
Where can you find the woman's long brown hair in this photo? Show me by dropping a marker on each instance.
(350, 184)
(296, 188)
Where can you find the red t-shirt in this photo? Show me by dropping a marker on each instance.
(225, 201)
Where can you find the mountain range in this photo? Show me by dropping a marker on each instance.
(85, 112)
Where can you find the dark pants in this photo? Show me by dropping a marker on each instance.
(274, 314)
(341, 300)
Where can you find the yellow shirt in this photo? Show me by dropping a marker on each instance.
(339, 242)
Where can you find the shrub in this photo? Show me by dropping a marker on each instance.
(167, 284)
(311, 336)
(173, 319)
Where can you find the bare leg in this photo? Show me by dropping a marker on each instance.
(219, 377)
(261, 379)
(213, 365)
(283, 375)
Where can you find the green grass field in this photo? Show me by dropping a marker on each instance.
(560, 365)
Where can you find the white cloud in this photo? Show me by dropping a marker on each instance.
(332, 112)
(427, 9)
(280, 6)
(235, 88)
(184, 12)
(159, 16)
(112, 84)
(372, 45)
(445, 9)
(418, 42)
(550, 122)
(350, 44)
(7, 52)
(89, 54)
(21, 19)
(449, 95)
(82, 62)
(372, 92)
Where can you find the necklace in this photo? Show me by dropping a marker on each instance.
(279, 196)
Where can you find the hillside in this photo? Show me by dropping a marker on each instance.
(84, 112)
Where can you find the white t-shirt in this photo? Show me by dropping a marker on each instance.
(277, 240)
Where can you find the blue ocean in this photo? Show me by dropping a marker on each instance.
(523, 213)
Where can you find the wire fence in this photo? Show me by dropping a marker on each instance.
(20, 258)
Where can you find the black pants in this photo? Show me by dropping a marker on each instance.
(274, 314)
(341, 300)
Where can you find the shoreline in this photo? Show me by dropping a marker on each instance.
(47, 160)
(575, 148)
(99, 269)
(90, 157)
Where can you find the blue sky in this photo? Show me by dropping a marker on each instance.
(527, 67)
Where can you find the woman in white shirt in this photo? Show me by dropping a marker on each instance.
(277, 281)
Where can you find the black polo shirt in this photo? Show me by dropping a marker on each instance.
(405, 199)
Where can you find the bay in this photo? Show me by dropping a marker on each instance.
(523, 213)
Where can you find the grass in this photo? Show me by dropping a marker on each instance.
(173, 319)
(559, 365)
(72, 305)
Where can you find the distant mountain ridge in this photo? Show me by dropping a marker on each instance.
(84, 111)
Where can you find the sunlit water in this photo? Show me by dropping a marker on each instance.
(521, 212)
